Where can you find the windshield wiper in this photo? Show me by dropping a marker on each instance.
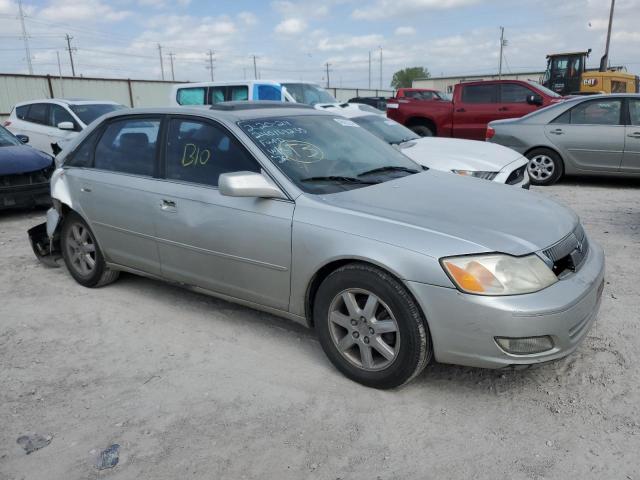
(404, 140)
(388, 168)
(338, 178)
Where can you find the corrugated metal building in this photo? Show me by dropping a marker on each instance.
(446, 83)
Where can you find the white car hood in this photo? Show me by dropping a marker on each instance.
(454, 154)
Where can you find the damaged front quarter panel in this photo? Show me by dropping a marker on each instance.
(45, 237)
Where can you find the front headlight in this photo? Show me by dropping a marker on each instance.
(498, 274)
(476, 173)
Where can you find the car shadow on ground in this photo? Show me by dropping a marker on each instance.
(599, 182)
(435, 376)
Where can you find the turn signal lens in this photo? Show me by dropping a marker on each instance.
(498, 274)
(525, 345)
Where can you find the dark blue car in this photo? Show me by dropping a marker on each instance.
(24, 173)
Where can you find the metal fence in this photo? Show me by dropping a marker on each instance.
(15, 88)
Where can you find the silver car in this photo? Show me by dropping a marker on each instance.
(592, 135)
(306, 215)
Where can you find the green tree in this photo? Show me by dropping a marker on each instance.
(405, 77)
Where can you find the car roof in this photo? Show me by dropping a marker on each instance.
(68, 101)
(229, 111)
(240, 82)
(350, 110)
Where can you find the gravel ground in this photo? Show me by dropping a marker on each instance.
(194, 387)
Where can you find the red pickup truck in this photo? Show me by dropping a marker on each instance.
(474, 104)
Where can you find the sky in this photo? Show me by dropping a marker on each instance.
(296, 39)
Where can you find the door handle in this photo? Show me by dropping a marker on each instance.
(461, 110)
(503, 109)
(85, 189)
(634, 135)
(557, 131)
(168, 206)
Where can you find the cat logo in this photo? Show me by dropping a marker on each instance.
(590, 82)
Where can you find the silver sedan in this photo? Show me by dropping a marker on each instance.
(593, 135)
(307, 215)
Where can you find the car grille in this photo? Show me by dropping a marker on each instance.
(569, 253)
(517, 175)
(22, 179)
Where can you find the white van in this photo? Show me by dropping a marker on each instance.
(208, 93)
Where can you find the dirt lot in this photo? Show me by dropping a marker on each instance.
(193, 387)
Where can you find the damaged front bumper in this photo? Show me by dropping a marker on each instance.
(45, 239)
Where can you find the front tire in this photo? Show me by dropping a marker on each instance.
(422, 130)
(82, 255)
(545, 166)
(370, 327)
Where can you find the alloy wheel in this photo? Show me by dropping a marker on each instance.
(81, 249)
(363, 329)
(541, 167)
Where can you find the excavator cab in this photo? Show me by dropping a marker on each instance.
(564, 72)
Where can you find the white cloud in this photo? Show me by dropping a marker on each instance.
(291, 26)
(300, 10)
(405, 31)
(387, 8)
(343, 42)
(79, 10)
(248, 18)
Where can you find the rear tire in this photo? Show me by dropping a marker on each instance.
(545, 166)
(422, 130)
(370, 327)
(82, 255)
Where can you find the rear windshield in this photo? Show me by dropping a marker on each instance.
(89, 112)
(309, 93)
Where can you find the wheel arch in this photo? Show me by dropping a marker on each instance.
(424, 121)
(331, 266)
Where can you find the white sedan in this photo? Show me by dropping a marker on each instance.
(464, 157)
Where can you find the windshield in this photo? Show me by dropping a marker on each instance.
(326, 154)
(89, 112)
(7, 139)
(388, 130)
(544, 89)
(308, 93)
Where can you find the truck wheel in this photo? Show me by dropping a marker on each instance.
(82, 254)
(370, 327)
(545, 166)
(422, 130)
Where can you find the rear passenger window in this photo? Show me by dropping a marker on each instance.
(480, 94)
(128, 146)
(634, 111)
(514, 93)
(239, 93)
(199, 152)
(597, 112)
(21, 112)
(38, 113)
(191, 96)
(217, 94)
(268, 92)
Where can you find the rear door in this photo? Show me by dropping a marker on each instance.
(513, 101)
(57, 115)
(239, 247)
(631, 157)
(591, 135)
(36, 126)
(116, 194)
(477, 106)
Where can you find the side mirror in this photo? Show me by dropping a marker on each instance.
(534, 99)
(66, 126)
(247, 184)
(23, 138)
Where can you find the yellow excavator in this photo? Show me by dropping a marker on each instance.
(567, 74)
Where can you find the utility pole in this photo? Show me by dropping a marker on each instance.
(161, 64)
(71, 50)
(60, 74)
(210, 53)
(255, 68)
(380, 68)
(327, 66)
(503, 43)
(27, 52)
(171, 55)
(604, 61)
(369, 69)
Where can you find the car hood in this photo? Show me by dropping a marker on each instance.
(440, 214)
(22, 159)
(453, 154)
